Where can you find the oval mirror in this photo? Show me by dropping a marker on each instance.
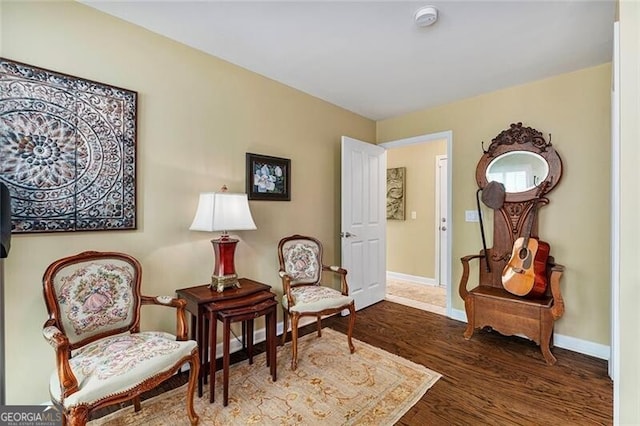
(518, 171)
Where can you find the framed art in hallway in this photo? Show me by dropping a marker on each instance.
(268, 178)
(396, 193)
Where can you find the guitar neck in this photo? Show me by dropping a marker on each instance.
(529, 225)
(534, 210)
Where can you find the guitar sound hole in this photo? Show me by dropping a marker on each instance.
(523, 253)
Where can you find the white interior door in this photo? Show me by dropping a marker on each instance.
(442, 221)
(363, 220)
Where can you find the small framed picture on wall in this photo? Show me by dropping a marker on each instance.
(268, 178)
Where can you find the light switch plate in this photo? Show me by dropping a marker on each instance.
(414, 215)
(471, 216)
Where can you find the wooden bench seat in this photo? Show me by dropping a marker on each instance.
(489, 305)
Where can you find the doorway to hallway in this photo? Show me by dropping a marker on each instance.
(418, 244)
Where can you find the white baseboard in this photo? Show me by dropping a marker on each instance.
(458, 315)
(584, 347)
(411, 278)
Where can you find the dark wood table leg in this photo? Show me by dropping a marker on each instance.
(225, 361)
(194, 325)
(271, 342)
(249, 326)
(267, 337)
(244, 335)
(205, 349)
(213, 327)
(199, 339)
(274, 345)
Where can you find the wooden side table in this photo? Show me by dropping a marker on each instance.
(248, 314)
(198, 297)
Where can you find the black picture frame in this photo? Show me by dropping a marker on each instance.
(268, 178)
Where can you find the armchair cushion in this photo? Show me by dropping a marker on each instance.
(116, 364)
(313, 298)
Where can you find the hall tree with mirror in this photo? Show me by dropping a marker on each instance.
(528, 168)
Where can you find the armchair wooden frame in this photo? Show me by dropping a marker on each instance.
(290, 283)
(64, 346)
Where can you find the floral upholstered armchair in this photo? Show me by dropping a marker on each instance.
(301, 271)
(102, 357)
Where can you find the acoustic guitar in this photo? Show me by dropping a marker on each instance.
(526, 272)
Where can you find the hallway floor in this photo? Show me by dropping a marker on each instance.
(421, 296)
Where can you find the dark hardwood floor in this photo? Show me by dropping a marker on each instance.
(490, 379)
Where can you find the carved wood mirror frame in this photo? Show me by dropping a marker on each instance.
(518, 138)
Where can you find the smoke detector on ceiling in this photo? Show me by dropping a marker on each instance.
(426, 16)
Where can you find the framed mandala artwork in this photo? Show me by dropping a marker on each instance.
(67, 151)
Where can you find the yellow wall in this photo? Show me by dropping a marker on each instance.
(197, 117)
(575, 109)
(411, 242)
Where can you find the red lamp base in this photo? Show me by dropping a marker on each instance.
(224, 272)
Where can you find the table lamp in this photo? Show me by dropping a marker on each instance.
(223, 211)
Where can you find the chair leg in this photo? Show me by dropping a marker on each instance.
(285, 326)
(352, 321)
(319, 325)
(194, 370)
(294, 340)
(78, 416)
(136, 404)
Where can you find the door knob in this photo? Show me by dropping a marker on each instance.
(347, 234)
(444, 228)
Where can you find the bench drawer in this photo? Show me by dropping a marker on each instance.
(507, 317)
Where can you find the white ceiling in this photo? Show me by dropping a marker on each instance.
(370, 58)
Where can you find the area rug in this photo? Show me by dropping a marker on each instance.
(330, 386)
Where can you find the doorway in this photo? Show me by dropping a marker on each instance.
(421, 278)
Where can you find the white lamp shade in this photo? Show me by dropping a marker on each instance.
(222, 211)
